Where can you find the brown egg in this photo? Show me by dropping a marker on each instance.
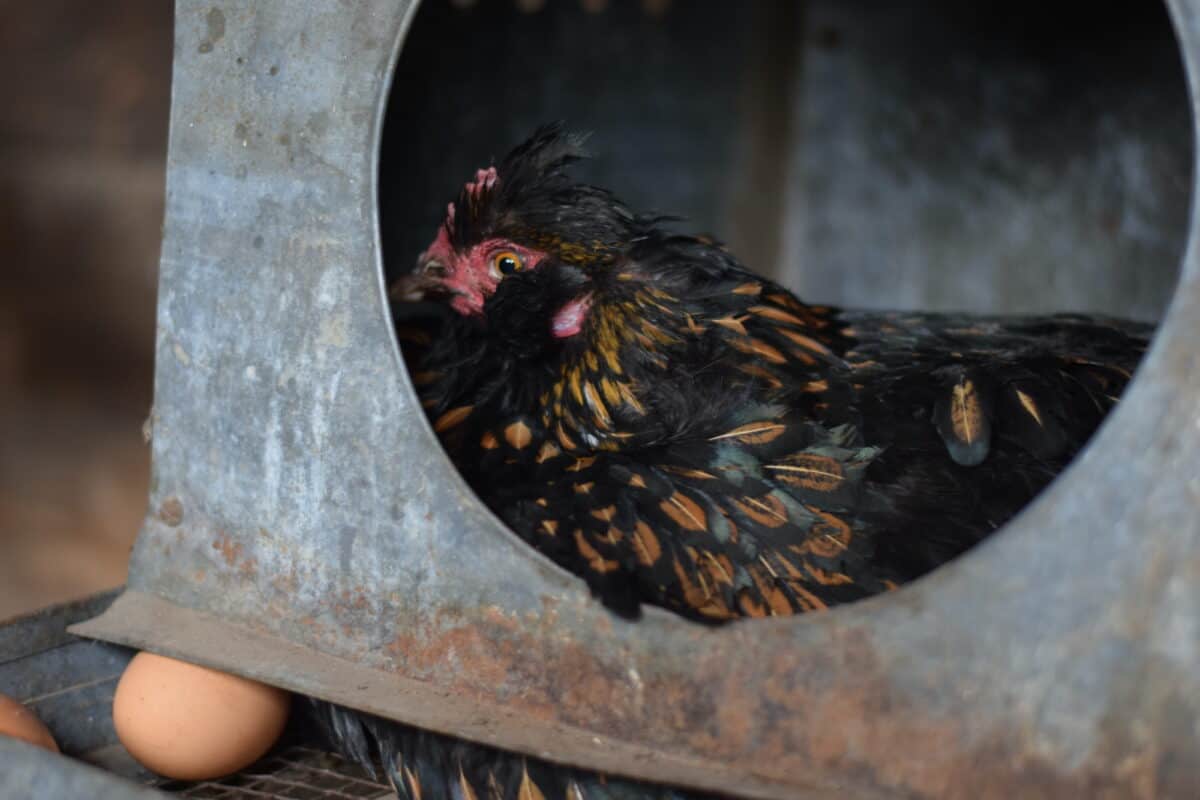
(17, 721)
(195, 723)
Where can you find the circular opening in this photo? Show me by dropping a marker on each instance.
(933, 158)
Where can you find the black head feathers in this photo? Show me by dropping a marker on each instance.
(530, 199)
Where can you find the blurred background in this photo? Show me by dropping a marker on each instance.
(83, 131)
(996, 156)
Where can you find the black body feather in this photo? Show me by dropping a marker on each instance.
(427, 766)
(710, 444)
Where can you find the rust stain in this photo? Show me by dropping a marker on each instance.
(490, 661)
(285, 583)
(230, 550)
(171, 512)
(356, 601)
(494, 615)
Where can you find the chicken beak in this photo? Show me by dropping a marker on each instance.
(415, 286)
(410, 288)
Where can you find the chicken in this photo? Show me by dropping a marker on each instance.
(679, 431)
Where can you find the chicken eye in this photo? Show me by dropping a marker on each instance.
(507, 262)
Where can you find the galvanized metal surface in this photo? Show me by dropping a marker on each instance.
(988, 156)
(306, 529)
(31, 773)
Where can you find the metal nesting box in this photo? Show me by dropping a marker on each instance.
(306, 529)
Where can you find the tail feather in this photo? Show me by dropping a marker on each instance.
(427, 766)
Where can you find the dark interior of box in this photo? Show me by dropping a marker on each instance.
(1016, 156)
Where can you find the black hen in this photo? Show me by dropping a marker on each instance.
(677, 430)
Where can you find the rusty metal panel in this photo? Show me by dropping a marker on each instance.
(305, 528)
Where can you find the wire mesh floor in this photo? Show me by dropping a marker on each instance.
(295, 773)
